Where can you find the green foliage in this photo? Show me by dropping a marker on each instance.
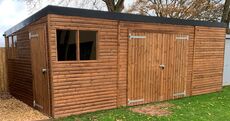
(210, 107)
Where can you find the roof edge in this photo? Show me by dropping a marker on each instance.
(67, 11)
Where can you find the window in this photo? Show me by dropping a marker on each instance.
(15, 49)
(66, 45)
(15, 41)
(10, 41)
(87, 45)
(76, 45)
(12, 47)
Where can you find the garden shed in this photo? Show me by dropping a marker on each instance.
(65, 61)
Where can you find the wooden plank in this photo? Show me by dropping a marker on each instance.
(113, 65)
(147, 82)
(90, 83)
(3, 71)
(208, 50)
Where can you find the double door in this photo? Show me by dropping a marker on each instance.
(157, 66)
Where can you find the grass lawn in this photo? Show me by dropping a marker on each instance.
(210, 107)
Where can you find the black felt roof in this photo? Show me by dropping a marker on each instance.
(108, 15)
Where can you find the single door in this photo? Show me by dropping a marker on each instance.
(157, 67)
(39, 69)
(174, 66)
(227, 63)
(144, 75)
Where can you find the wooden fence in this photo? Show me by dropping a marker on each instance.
(3, 75)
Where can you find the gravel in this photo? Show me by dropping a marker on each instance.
(12, 109)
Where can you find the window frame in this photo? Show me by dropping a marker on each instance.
(15, 47)
(10, 47)
(77, 39)
(15, 36)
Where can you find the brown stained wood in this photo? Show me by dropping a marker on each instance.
(50, 67)
(19, 69)
(78, 45)
(208, 63)
(118, 63)
(146, 80)
(3, 71)
(124, 69)
(41, 94)
(93, 83)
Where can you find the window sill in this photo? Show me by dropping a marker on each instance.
(76, 61)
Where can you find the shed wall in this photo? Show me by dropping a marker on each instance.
(208, 60)
(19, 68)
(84, 86)
(87, 86)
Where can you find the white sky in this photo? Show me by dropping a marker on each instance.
(15, 11)
(11, 13)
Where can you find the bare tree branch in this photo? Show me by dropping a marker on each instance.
(210, 10)
(112, 5)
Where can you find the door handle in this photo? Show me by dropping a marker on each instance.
(44, 70)
(162, 66)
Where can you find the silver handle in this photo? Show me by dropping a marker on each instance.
(162, 66)
(44, 70)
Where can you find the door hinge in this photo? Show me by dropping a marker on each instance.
(44, 70)
(136, 37)
(135, 101)
(182, 37)
(31, 35)
(180, 94)
(37, 105)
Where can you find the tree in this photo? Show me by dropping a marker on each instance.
(114, 5)
(226, 12)
(210, 10)
(111, 5)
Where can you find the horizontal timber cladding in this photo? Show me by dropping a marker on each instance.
(20, 80)
(189, 55)
(84, 86)
(208, 60)
(19, 68)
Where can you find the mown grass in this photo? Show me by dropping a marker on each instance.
(209, 107)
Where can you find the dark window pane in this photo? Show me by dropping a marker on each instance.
(88, 45)
(10, 41)
(66, 45)
(15, 41)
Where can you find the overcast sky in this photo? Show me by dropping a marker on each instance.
(13, 12)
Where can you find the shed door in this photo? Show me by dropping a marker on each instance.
(157, 66)
(39, 69)
(227, 63)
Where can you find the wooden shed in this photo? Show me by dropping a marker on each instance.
(65, 61)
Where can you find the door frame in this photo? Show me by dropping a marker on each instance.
(43, 27)
(130, 31)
